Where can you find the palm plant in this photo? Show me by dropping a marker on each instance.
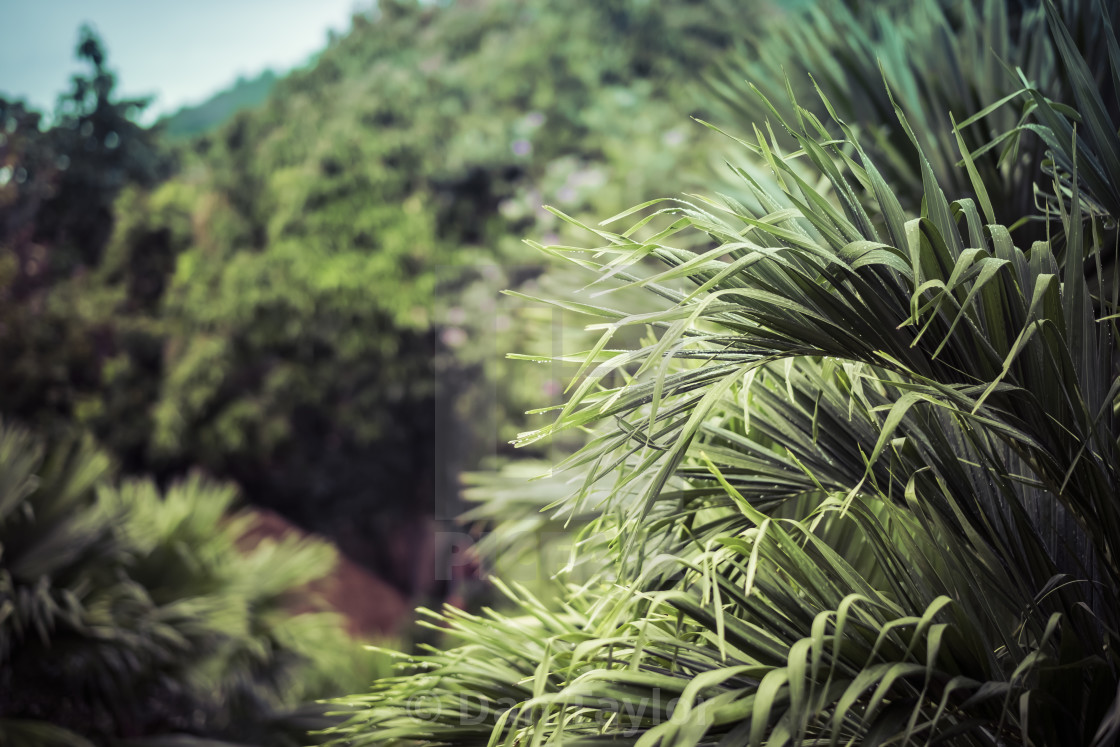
(127, 614)
(863, 472)
(942, 60)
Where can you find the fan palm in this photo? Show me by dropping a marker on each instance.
(863, 473)
(127, 614)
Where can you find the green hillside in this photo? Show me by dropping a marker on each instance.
(245, 93)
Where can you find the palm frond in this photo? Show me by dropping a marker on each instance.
(940, 60)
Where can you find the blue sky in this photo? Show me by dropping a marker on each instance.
(181, 51)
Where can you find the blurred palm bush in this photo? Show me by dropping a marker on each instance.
(862, 470)
(131, 616)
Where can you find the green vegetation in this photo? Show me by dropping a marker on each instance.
(57, 186)
(57, 199)
(838, 460)
(938, 60)
(290, 310)
(862, 469)
(130, 614)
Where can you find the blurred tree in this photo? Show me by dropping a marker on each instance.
(98, 149)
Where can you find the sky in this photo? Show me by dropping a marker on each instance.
(183, 52)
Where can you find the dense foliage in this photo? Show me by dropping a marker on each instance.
(126, 613)
(862, 470)
(942, 63)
